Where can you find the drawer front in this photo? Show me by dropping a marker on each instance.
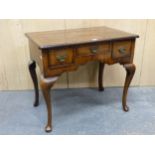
(60, 57)
(87, 50)
(121, 49)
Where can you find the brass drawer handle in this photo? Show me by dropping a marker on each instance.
(94, 50)
(61, 58)
(122, 50)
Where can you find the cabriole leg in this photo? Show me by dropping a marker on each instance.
(32, 70)
(46, 84)
(130, 71)
(100, 76)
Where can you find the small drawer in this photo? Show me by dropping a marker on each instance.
(87, 50)
(60, 56)
(121, 49)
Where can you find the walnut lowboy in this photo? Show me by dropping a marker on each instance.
(61, 51)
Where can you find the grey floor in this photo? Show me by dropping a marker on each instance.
(79, 111)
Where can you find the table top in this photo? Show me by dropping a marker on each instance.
(49, 39)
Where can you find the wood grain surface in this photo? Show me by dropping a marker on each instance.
(59, 38)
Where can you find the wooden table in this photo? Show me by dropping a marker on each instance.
(61, 51)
